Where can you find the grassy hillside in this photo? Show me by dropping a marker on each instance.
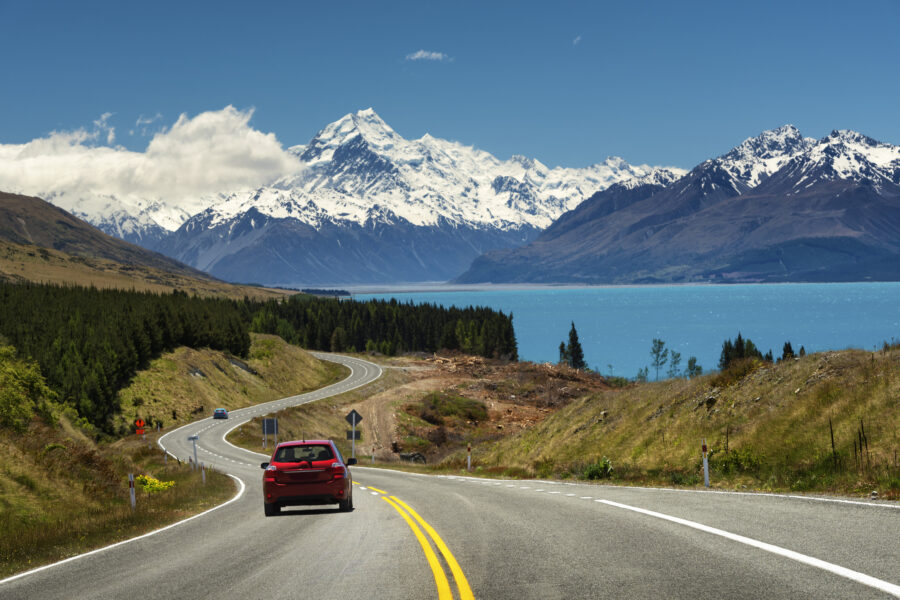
(44, 244)
(767, 427)
(188, 384)
(29, 220)
(320, 420)
(62, 494)
(27, 262)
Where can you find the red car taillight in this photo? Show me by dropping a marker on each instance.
(269, 473)
(338, 471)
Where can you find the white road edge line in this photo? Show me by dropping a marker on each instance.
(856, 576)
(868, 504)
(134, 539)
(167, 527)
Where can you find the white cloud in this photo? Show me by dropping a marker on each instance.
(102, 126)
(182, 167)
(428, 55)
(576, 41)
(142, 125)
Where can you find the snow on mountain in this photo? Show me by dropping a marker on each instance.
(778, 207)
(842, 156)
(759, 157)
(358, 169)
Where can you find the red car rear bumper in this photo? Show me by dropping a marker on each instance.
(290, 494)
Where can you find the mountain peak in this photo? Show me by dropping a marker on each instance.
(772, 143)
(849, 136)
(365, 124)
(756, 158)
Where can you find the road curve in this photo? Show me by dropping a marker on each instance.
(507, 539)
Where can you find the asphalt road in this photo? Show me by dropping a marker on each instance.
(510, 539)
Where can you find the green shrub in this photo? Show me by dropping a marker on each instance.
(601, 469)
(742, 460)
(437, 405)
(736, 371)
(22, 389)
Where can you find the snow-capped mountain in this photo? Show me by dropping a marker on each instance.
(410, 210)
(842, 156)
(778, 207)
(758, 157)
(358, 168)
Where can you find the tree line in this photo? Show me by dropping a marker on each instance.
(387, 326)
(89, 343)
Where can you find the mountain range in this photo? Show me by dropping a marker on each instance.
(363, 205)
(372, 207)
(360, 204)
(779, 207)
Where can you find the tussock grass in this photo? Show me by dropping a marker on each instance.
(187, 384)
(767, 427)
(62, 495)
(323, 419)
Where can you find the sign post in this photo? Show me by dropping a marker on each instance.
(270, 426)
(353, 418)
(705, 465)
(194, 439)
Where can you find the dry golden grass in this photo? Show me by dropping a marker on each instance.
(774, 422)
(61, 495)
(44, 265)
(319, 420)
(187, 384)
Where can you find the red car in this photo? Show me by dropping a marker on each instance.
(307, 472)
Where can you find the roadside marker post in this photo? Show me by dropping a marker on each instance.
(270, 426)
(469, 457)
(131, 489)
(203, 472)
(194, 439)
(705, 465)
(353, 418)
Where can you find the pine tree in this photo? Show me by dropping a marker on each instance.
(693, 369)
(787, 351)
(574, 350)
(563, 354)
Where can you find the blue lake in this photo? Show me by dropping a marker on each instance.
(616, 325)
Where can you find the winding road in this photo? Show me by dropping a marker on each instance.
(422, 536)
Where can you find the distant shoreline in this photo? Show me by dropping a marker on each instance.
(443, 287)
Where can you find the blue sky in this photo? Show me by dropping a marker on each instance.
(568, 83)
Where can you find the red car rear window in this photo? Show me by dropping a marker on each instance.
(312, 452)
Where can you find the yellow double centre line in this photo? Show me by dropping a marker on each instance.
(440, 578)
